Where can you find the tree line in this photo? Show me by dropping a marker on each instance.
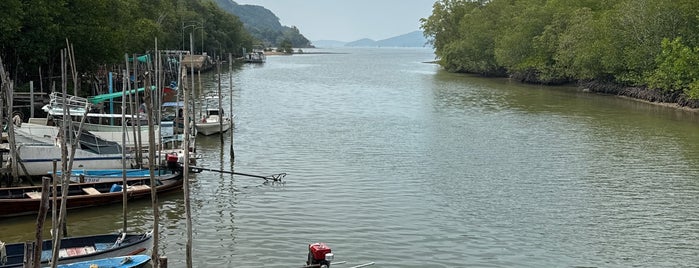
(32, 32)
(637, 43)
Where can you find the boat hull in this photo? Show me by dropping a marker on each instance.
(132, 261)
(18, 201)
(213, 127)
(84, 248)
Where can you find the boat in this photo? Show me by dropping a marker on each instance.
(256, 56)
(26, 200)
(39, 147)
(104, 175)
(131, 261)
(214, 121)
(83, 248)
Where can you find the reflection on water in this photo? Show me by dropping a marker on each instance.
(394, 161)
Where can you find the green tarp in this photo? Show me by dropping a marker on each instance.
(143, 59)
(104, 97)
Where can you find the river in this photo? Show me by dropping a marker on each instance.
(394, 161)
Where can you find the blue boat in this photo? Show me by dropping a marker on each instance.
(115, 262)
(104, 175)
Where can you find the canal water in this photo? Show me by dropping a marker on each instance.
(394, 161)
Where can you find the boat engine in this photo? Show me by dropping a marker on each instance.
(319, 255)
(172, 162)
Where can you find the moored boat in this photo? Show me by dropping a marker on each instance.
(38, 148)
(257, 56)
(131, 261)
(213, 123)
(105, 175)
(83, 248)
(17, 201)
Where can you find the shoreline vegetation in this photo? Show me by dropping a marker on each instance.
(647, 50)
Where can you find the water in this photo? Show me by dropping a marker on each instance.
(394, 161)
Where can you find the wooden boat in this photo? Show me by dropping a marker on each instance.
(83, 248)
(131, 261)
(16, 201)
(113, 175)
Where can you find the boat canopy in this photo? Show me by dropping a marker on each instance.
(143, 59)
(104, 97)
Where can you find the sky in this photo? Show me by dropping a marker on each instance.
(348, 20)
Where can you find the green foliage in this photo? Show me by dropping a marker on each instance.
(555, 41)
(32, 32)
(678, 68)
(285, 46)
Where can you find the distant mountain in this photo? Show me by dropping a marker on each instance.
(264, 25)
(365, 42)
(412, 39)
(328, 43)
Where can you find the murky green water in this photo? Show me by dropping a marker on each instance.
(393, 161)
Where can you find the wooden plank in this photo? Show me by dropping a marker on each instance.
(33, 195)
(91, 191)
(137, 187)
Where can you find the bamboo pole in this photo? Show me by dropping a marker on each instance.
(67, 161)
(124, 196)
(151, 167)
(41, 218)
(230, 89)
(64, 152)
(220, 110)
(7, 87)
(54, 195)
(187, 203)
(134, 111)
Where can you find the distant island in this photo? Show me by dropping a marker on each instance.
(412, 39)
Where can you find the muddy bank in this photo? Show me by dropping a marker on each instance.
(641, 93)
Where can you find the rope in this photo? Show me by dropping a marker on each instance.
(119, 240)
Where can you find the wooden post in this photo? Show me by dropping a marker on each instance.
(28, 254)
(124, 196)
(134, 111)
(31, 99)
(43, 209)
(54, 198)
(64, 162)
(230, 89)
(163, 262)
(187, 204)
(151, 168)
(220, 110)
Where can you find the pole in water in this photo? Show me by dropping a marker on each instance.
(230, 85)
(273, 177)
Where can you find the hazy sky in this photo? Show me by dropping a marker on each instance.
(348, 20)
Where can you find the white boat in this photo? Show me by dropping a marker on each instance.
(256, 56)
(41, 126)
(214, 121)
(38, 146)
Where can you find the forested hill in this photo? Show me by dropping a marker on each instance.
(412, 39)
(264, 25)
(652, 44)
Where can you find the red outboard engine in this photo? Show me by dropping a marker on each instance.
(171, 160)
(319, 254)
